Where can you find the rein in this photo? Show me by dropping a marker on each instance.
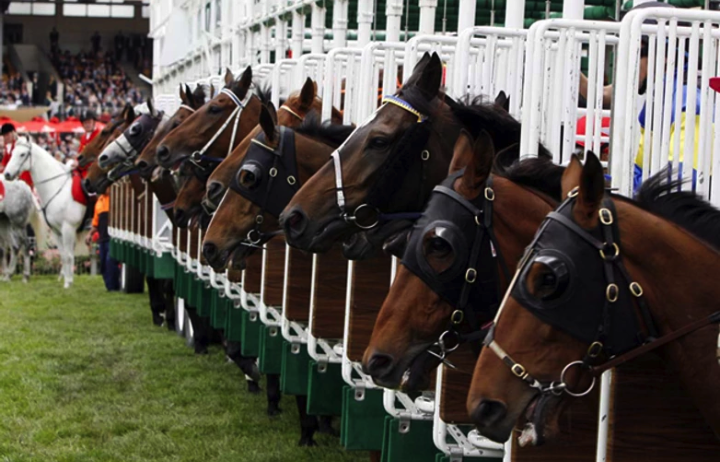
(609, 250)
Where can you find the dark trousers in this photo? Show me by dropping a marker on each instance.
(109, 267)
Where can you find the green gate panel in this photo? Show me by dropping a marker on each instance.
(294, 371)
(270, 356)
(163, 266)
(149, 263)
(251, 329)
(203, 299)
(142, 260)
(179, 282)
(362, 423)
(219, 316)
(413, 441)
(325, 389)
(114, 249)
(233, 321)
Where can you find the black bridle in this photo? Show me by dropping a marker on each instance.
(134, 139)
(274, 176)
(467, 228)
(612, 331)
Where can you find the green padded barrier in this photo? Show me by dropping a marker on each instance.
(325, 389)
(294, 369)
(149, 263)
(114, 249)
(219, 314)
(213, 307)
(443, 458)
(270, 356)
(204, 299)
(362, 423)
(190, 289)
(250, 338)
(141, 260)
(408, 440)
(179, 282)
(233, 321)
(163, 266)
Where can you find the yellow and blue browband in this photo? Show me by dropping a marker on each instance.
(399, 102)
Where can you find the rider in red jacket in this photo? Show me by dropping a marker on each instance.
(88, 119)
(10, 136)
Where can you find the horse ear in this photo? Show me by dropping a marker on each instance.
(245, 79)
(151, 107)
(503, 101)
(267, 123)
(129, 113)
(507, 156)
(183, 94)
(196, 97)
(229, 78)
(591, 193)
(273, 112)
(307, 94)
(571, 175)
(481, 162)
(212, 91)
(431, 77)
(462, 153)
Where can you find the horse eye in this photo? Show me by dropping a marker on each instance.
(378, 143)
(175, 124)
(437, 250)
(214, 109)
(550, 278)
(135, 129)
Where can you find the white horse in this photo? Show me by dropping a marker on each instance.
(53, 183)
(17, 210)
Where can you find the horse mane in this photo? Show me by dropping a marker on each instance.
(264, 93)
(661, 195)
(539, 173)
(333, 134)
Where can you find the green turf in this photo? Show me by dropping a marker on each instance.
(85, 376)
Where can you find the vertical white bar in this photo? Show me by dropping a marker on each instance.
(466, 15)
(340, 23)
(515, 14)
(393, 13)
(317, 22)
(604, 416)
(427, 16)
(689, 160)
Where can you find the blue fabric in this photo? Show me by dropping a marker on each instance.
(109, 267)
(637, 176)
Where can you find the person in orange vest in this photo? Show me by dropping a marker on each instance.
(89, 123)
(109, 267)
(9, 136)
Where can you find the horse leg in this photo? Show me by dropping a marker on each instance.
(308, 423)
(61, 251)
(157, 299)
(12, 265)
(246, 364)
(3, 254)
(26, 262)
(200, 335)
(273, 394)
(68, 237)
(169, 295)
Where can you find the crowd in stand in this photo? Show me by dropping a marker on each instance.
(13, 90)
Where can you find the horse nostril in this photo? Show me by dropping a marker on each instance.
(214, 189)
(87, 186)
(489, 413)
(163, 153)
(103, 158)
(379, 365)
(210, 251)
(8, 177)
(141, 164)
(295, 223)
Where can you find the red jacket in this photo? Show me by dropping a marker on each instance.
(84, 141)
(25, 176)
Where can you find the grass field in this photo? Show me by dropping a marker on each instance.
(85, 376)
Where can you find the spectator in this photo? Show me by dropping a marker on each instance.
(109, 267)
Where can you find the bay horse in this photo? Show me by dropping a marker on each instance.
(93, 149)
(604, 277)
(291, 113)
(248, 212)
(430, 306)
(379, 180)
(53, 183)
(191, 102)
(235, 109)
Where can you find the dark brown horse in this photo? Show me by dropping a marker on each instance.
(637, 270)
(93, 149)
(191, 102)
(235, 109)
(252, 217)
(382, 176)
(419, 309)
(290, 114)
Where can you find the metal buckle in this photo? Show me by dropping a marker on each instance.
(573, 192)
(250, 238)
(425, 155)
(606, 216)
(636, 289)
(273, 172)
(519, 370)
(611, 257)
(611, 292)
(259, 219)
(291, 180)
(353, 218)
(595, 349)
(489, 194)
(457, 317)
(471, 275)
